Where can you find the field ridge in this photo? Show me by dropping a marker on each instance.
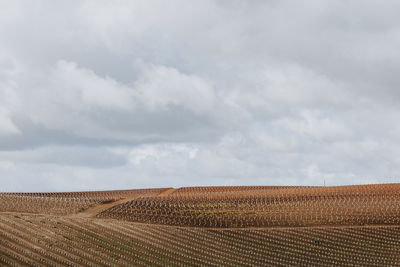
(203, 226)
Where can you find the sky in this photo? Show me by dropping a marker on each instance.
(98, 95)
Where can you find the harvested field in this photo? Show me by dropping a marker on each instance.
(235, 226)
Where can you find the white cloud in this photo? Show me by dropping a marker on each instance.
(75, 84)
(160, 87)
(8, 100)
(315, 125)
(149, 93)
(77, 101)
(7, 127)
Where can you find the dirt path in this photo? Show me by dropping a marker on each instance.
(167, 192)
(94, 210)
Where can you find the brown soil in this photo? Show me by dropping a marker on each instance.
(199, 236)
(98, 208)
(28, 240)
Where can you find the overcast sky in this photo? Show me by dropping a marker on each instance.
(131, 94)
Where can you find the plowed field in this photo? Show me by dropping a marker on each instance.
(203, 226)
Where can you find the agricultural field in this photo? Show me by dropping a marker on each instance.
(203, 226)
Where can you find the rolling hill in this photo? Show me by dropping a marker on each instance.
(204, 226)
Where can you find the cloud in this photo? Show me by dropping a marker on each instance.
(160, 87)
(162, 104)
(147, 94)
(7, 127)
(8, 99)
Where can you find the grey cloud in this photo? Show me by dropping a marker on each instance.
(92, 157)
(138, 94)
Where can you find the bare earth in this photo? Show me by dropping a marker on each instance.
(210, 226)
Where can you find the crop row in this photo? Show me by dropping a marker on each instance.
(214, 189)
(302, 206)
(64, 203)
(44, 205)
(52, 241)
(110, 194)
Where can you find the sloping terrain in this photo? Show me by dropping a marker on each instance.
(203, 226)
(269, 207)
(66, 202)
